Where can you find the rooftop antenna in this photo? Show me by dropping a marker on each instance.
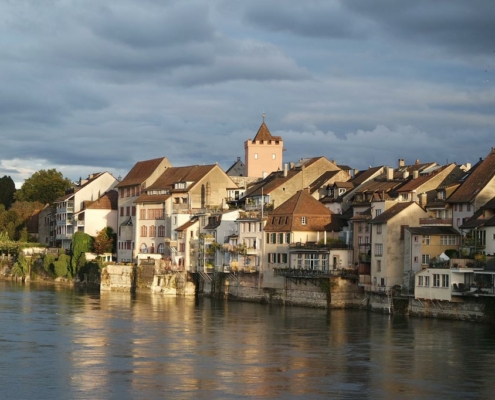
(263, 115)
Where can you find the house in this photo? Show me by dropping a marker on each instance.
(46, 226)
(480, 230)
(313, 173)
(264, 153)
(424, 246)
(302, 234)
(73, 202)
(236, 169)
(187, 245)
(477, 188)
(98, 214)
(177, 195)
(387, 250)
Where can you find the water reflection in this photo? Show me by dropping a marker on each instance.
(57, 342)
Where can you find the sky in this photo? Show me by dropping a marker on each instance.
(91, 86)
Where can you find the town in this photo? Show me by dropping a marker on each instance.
(414, 237)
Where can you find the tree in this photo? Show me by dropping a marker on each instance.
(7, 191)
(44, 186)
(81, 243)
(104, 241)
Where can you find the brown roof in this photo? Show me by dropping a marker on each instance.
(189, 223)
(32, 224)
(140, 172)
(318, 182)
(433, 230)
(106, 202)
(264, 134)
(192, 173)
(391, 213)
(362, 176)
(478, 178)
(287, 216)
(152, 198)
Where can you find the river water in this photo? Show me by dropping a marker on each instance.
(63, 343)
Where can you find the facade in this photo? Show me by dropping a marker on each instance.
(97, 215)
(73, 202)
(264, 153)
(142, 174)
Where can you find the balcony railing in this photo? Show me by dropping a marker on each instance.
(435, 221)
(319, 246)
(313, 273)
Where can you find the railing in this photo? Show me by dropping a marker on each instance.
(435, 221)
(80, 223)
(320, 246)
(312, 273)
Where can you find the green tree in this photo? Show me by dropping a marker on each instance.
(81, 243)
(7, 191)
(44, 186)
(22, 266)
(61, 266)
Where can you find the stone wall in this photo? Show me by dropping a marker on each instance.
(117, 278)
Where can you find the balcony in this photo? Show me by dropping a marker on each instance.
(435, 221)
(294, 247)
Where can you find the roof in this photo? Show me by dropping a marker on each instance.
(478, 219)
(322, 179)
(363, 176)
(478, 177)
(391, 212)
(189, 223)
(140, 172)
(287, 216)
(152, 198)
(109, 201)
(172, 175)
(433, 230)
(264, 134)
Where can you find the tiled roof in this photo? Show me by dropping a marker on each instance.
(477, 219)
(479, 177)
(288, 216)
(140, 172)
(317, 183)
(391, 212)
(192, 173)
(152, 198)
(63, 198)
(264, 134)
(108, 201)
(189, 223)
(364, 175)
(433, 230)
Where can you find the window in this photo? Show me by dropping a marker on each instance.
(426, 239)
(299, 261)
(282, 258)
(458, 222)
(273, 156)
(271, 257)
(448, 240)
(455, 207)
(460, 207)
(445, 280)
(415, 259)
(152, 231)
(143, 248)
(420, 281)
(121, 211)
(280, 238)
(161, 231)
(287, 238)
(425, 259)
(255, 156)
(303, 220)
(379, 229)
(378, 212)
(160, 248)
(144, 231)
(378, 249)
(267, 237)
(142, 214)
(427, 281)
(378, 265)
(468, 207)
(273, 238)
(128, 211)
(133, 211)
(436, 280)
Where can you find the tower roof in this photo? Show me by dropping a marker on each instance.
(264, 134)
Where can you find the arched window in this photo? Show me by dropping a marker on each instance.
(143, 248)
(144, 231)
(160, 249)
(152, 231)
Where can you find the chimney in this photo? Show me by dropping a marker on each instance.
(415, 174)
(285, 170)
(390, 173)
(238, 158)
(264, 174)
(401, 162)
(291, 165)
(468, 166)
(405, 174)
(422, 199)
(417, 162)
(356, 171)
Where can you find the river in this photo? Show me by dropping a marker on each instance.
(64, 343)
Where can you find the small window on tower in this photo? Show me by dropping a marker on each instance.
(255, 156)
(273, 156)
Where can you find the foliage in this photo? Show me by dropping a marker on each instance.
(48, 262)
(21, 266)
(62, 265)
(451, 253)
(7, 191)
(81, 243)
(104, 241)
(44, 186)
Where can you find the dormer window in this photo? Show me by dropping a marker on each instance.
(341, 191)
(180, 185)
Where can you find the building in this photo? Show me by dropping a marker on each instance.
(264, 153)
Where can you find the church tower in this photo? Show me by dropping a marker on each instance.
(263, 154)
